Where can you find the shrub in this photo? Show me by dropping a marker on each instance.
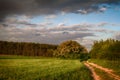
(70, 49)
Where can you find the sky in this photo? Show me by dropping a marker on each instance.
(55, 21)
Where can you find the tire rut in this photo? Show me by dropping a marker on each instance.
(108, 71)
(94, 75)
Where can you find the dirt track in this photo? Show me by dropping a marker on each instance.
(108, 71)
(94, 75)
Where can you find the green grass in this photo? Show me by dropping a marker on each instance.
(15, 68)
(115, 65)
(20, 57)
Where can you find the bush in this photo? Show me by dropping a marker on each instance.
(70, 49)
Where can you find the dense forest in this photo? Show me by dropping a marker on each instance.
(67, 49)
(108, 49)
(26, 49)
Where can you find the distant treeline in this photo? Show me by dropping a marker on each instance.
(26, 49)
(109, 49)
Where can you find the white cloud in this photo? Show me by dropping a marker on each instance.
(50, 16)
(17, 19)
(87, 42)
(63, 13)
(45, 24)
(24, 18)
(82, 11)
(101, 24)
(116, 35)
(61, 24)
(102, 9)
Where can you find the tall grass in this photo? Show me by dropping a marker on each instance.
(115, 65)
(43, 69)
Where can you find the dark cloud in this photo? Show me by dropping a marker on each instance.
(38, 7)
(4, 25)
(42, 36)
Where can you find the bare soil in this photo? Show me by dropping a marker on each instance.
(108, 71)
(94, 75)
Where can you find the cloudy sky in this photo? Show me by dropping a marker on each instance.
(55, 21)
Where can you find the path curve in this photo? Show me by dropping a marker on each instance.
(94, 75)
(109, 71)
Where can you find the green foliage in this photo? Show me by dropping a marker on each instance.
(109, 49)
(84, 57)
(26, 49)
(70, 49)
(43, 69)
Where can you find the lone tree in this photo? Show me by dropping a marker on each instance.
(70, 49)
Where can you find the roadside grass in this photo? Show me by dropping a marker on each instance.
(28, 68)
(114, 65)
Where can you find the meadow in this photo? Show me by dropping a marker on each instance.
(30, 68)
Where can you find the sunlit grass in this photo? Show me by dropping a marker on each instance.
(43, 69)
(20, 57)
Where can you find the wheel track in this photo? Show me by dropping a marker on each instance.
(108, 71)
(94, 75)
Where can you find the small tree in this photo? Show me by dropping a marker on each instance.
(70, 49)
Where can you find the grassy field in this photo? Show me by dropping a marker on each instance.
(115, 65)
(25, 68)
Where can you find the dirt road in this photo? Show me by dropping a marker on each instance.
(108, 71)
(94, 75)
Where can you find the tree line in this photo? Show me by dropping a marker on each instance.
(108, 49)
(26, 49)
(68, 49)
